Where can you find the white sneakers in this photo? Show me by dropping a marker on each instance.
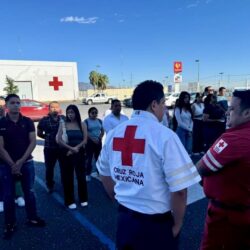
(84, 204)
(72, 206)
(20, 201)
(1, 206)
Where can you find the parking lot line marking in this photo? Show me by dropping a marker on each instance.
(82, 219)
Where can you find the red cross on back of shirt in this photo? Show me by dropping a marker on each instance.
(129, 145)
(55, 83)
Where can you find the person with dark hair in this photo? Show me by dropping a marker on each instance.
(197, 109)
(94, 144)
(18, 187)
(213, 121)
(115, 117)
(183, 115)
(47, 129)
(225, 170)
(17, 142)
(208, 90)
(146, 168)
(222, 99)
(72, 156)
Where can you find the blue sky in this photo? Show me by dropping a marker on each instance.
(131, 40)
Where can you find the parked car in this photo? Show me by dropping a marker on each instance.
(98, 98)
(171, 99)
(128, 102)
(33, 109)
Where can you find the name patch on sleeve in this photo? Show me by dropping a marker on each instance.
(220, 146)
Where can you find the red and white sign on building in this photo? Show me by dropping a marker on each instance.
(177, 67)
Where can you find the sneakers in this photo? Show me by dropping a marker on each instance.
(84, 204)
(20, 201)
(88, 178)
(72, 206)
(8, 231)
(1, 206)
(37, 222)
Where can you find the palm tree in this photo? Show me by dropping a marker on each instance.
(102, 82)
(93, 78)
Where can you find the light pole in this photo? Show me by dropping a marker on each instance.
(221, 77)
(198, 74)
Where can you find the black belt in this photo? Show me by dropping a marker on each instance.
(158, 217)
(229, 207)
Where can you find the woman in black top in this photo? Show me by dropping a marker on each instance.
(72, 136)
(214, 120)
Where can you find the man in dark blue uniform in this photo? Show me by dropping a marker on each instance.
(17, 141)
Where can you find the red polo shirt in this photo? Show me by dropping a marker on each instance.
(229, 162)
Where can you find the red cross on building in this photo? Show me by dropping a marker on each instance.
(55, 83)
(129, 145)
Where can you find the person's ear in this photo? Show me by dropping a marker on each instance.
(153, 105)
(246, 113)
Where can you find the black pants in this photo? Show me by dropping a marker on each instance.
(137, 231)
(92, 149)
(51, 156)
(71, 164)
(198, 142)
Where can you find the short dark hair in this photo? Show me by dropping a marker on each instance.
(221, 88)
(244, 96)
(114, 101)
(92, 109)
(9, 96)
(207, 88)
(208, 99)
(145, 93)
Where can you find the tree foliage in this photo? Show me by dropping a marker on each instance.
(10, 88)
(98, 81)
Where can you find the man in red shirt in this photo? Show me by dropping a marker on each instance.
(225, 169)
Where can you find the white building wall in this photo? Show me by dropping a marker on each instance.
(40, 73)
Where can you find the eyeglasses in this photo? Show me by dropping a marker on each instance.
(94, 113)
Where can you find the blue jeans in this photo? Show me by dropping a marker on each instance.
(27, 180)
(186, 138)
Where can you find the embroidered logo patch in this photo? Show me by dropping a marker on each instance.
(220, 146)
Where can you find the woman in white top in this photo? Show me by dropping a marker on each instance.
(197, 109)
(183, 115)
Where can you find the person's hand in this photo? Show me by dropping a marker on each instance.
(176, 230)
(16, 167)
(69, 153)
(74, 150)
